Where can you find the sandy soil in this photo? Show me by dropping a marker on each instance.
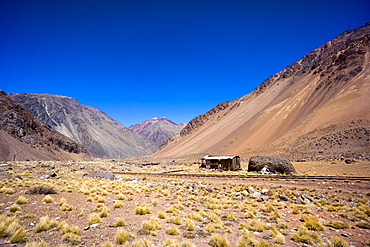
(208, 197)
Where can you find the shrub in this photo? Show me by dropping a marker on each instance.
(41, 190)
(104, 212)
(312, 223)
(122, 236)
(45, 224)
(19, 236)
(173, 211)
(170, 243)
(14, 208)
(295, 209)
(71, 237)
(118, 204)
(152, 224)
(194, 216)
(337, 224)
(278, 236)
(256, 226)
(172, 231)
(7, 190)
(21, 200)
(305, 236)
(48, 199)
(66, 207)
(8, 225)
(187, 244)
(161, 215)
(218, 241)
(121, 197)
(190, 225)
(108, 244)
(143, 209)
(36, 244)
(62, 201)
(94, 219)
(337, 241)
(211, 227)
(142, 243)
(119, 222)
(363, 225)
(174, 220)
(229, 216)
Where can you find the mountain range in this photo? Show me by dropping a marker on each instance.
(317, 107)
(101, 135)
(157, 129)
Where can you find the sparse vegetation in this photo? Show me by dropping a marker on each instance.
(182, 209)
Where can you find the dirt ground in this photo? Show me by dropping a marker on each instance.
(215, 207)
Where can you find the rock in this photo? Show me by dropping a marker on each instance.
(298, 200)
(50, 175)
(308, 197)
(345, 235)
(209, 189)
(102, 175)
(251, 190)
(256, 194)
(273, 164)
(264, 191)
(283, 197)
(264, 198)
(349, 161)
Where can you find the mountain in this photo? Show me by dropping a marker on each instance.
(316, 108)
(157, 129)
(99, 133)
(22, 136)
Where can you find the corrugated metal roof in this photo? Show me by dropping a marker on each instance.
(219, 157)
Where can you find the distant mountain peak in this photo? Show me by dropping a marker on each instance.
(157, 129)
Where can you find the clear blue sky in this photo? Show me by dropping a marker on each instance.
(138, 59)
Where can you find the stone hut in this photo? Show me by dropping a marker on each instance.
(223, 163)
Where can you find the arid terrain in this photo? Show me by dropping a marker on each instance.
(155, 208)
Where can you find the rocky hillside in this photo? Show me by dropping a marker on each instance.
(157, 129)
(99, 133)
(22, 136)
(316, 108)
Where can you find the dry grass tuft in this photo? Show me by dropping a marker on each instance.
(122, 236)
(337, 241)
(20, 236)
(119, 222)
(21, 200)
(218, 241)
(94, 219)
(312, 223)
(48, 199)
(45, 224)
(305, 236)
(172, 231)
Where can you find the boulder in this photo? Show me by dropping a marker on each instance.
(271, 163)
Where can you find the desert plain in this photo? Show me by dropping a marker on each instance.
(175, 203)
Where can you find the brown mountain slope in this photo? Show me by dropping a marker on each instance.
(323, 96)
(23, 136)
(101, 135)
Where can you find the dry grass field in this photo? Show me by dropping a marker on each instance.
(69, 208)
